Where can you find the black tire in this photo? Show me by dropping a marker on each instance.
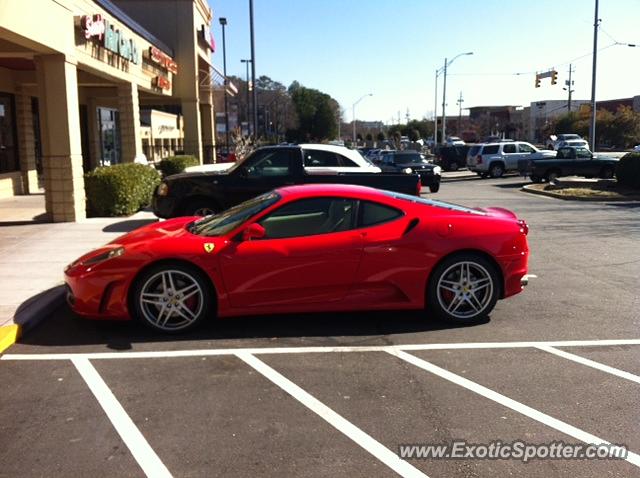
(434, 188)
(453, 166)
(551, 175)
(607, 172)
(535, 179)
(168, 309)
(496, 170)
(200, 207)
(466, 312)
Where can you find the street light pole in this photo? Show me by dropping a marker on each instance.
(223, 22)
(353, 114)
(435, 114)
(253, 71)
(246, 62)
(444, 93)
(592, 126)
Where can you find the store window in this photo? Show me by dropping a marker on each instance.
(8, 152)
(110, 144)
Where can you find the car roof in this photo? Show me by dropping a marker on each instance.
(309, 190)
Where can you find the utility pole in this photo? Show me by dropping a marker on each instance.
(223, 23)
(444, 105)
(253, 72)
(460, 101)
(569, 87)
(592, 126)
(246, 62)
(435, 115)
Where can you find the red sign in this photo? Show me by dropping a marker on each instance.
(163, 60)
(162, 83)
(93, 26)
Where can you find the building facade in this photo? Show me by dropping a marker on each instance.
(74, 77)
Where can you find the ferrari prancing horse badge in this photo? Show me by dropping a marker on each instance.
(208, 246)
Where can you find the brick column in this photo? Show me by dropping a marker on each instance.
(26, 142)
(192, 130)
(61, 143)
(129, 109)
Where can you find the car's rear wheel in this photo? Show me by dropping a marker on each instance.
(496, 170)
(200, 207)
(172, 297)
(535, 179)
(453, 166)
(607, 172)
(463, 288)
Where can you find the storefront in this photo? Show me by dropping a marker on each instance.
(73, 81)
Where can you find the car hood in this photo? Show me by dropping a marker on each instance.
(172, 228)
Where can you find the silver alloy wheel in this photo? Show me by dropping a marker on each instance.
(171, 300)
(496, 171)
(464, 290)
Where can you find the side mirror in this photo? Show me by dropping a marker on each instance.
(254, 231)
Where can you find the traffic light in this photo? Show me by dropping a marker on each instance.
(537, 81)
(554, 77)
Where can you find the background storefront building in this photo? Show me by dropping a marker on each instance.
(83, 81)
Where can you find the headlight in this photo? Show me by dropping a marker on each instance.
(162, 190)
(105, 256)
(437, 170)
(407, 170)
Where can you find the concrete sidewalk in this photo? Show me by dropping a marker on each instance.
(34, 253)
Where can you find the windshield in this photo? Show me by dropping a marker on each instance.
(435, 203)
(410, 158)
(226, 221)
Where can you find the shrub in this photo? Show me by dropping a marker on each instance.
(628, 170)
(120, 190)
(177, 164)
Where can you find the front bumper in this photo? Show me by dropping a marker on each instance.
(96, 296)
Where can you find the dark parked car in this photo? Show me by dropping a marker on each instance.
(202, 193)
(401, 161)
(569, 161)
(452, 158)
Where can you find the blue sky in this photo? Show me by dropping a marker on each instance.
(392, 49)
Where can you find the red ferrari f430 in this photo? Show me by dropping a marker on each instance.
(318, 248)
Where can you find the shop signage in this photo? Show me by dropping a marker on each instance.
(113, 39)
(162, 59)
(162, 83)
(207, 37)
(92, 26)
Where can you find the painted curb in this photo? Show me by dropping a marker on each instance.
(529, 189)
(9, 335)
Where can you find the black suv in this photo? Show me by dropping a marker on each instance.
(401, 161)
(452, 158)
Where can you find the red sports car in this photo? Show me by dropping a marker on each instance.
(313, 248)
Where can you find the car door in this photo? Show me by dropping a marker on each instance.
(309, 255)
(585, 165)
(266, 169)
(510, 155)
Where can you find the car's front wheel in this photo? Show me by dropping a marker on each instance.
(434, 188)
(535, 179)
(172, 297)
(200, 207)
(463, 288)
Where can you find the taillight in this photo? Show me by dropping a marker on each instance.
(419, 187)
(479, 159)
(524, 227)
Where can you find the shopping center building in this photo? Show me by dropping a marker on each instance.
(85, 83)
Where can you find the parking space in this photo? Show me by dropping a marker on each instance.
(336, 395)
(319, 411)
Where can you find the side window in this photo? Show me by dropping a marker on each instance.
(583, 153)
(274, 162)
(319, 158)
(344, 161)
(509, 148)
(309, 217)
(372, 213)
(525, 148)
(491, 149)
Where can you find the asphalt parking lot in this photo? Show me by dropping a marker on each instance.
(318, 395)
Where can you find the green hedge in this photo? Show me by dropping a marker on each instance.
(176, 164)
(628, 170)
(120, 190)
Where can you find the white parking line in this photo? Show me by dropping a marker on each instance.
(319, 349)
(590, 363)
(386, 456)
(132, 437)
(532, 413)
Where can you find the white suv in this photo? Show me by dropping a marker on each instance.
(494, 159)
